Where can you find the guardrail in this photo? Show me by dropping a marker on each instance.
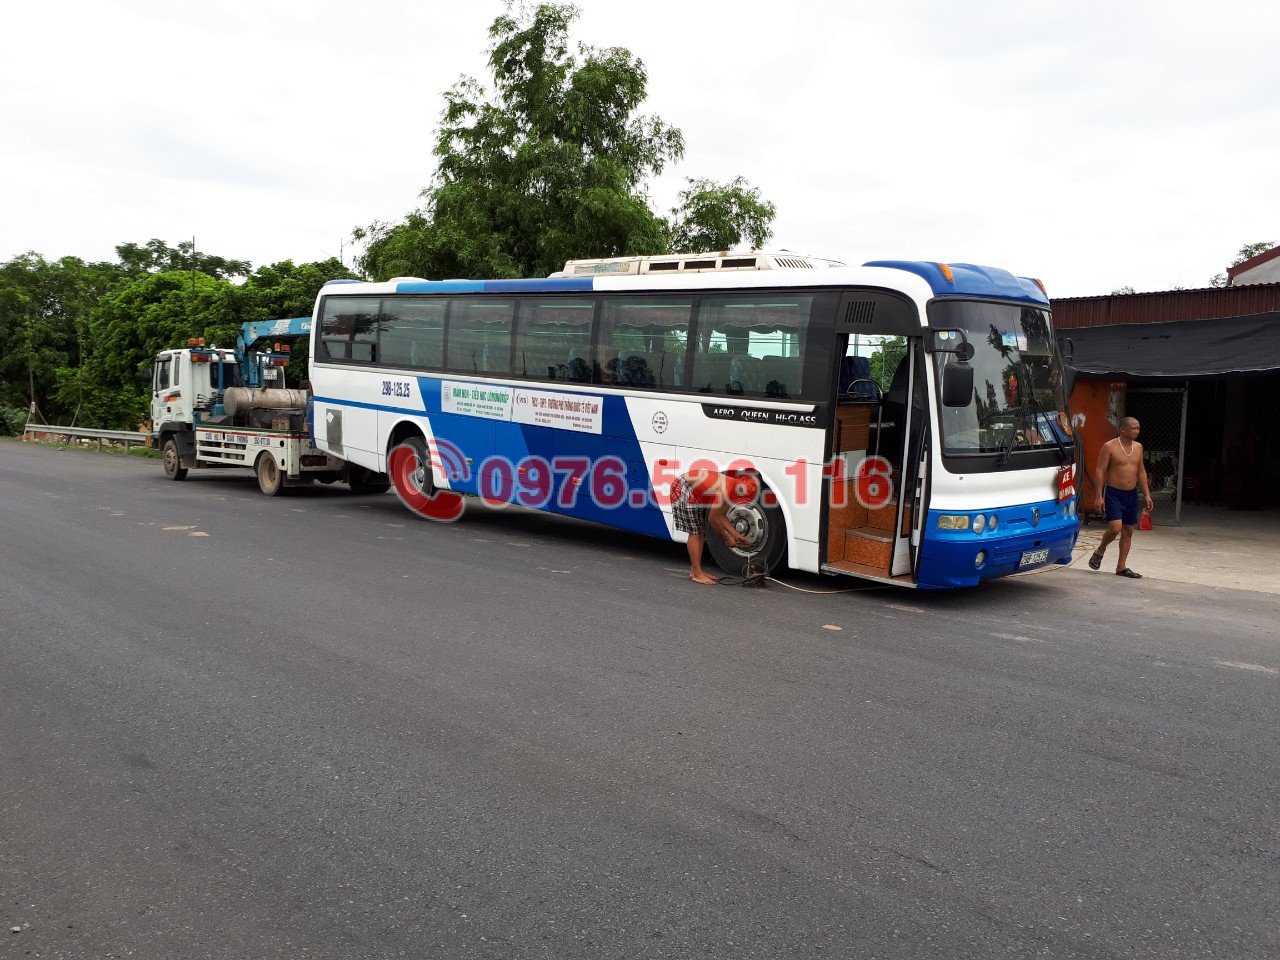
(127, 437)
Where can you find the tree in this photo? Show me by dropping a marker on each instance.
(283, 290)
(1246, 252)
(145, 315)
(42, 309)
(1122, 291)
(156, 256)
(552, 165)
(714, 216)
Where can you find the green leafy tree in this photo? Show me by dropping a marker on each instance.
(146, 315)
(42, 331)
(156, 256)
(1246, 252)
(713, 216)
(284, 290)
(552, 164)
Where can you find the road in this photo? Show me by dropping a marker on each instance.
(315, 726)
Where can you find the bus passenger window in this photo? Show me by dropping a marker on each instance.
(643, 342)
(553, 340)
(751, 344)
(412, 332)
(349, 329)
(480, 335)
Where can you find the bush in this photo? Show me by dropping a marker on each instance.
(12, 420)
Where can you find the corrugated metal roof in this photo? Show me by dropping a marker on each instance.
(1161, 307)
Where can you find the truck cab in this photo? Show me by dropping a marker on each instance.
(180, 386)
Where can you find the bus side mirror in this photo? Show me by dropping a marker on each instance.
(957, 384)
(950, 341)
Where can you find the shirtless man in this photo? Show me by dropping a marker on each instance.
(1120, 471)
(700, 499)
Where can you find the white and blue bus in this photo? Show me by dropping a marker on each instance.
(899, 421)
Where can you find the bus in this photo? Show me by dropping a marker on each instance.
(901, 421)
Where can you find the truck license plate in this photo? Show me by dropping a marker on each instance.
(1032, 557)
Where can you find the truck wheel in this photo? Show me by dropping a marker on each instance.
(173, 468)
(766, 530)
(270, 479)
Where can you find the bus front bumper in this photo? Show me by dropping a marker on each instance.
(964, 559)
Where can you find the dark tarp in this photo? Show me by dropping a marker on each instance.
(1179, 350)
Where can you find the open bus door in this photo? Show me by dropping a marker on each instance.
(875, 489)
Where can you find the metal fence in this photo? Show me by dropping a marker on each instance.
(1162, 411)
(127, 437)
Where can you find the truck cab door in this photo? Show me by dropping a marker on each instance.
(160, 389)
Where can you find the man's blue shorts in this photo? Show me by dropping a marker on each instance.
(1122, 505)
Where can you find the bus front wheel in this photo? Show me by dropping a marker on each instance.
(765, 531)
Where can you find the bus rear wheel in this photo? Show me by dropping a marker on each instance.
(270, 478)
(766, 532)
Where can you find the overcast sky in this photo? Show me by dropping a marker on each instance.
(1091, 144)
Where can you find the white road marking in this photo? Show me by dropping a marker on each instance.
(904, 608)
(831, 626)
(192, 527)
(1255, 667)
(1017, 638)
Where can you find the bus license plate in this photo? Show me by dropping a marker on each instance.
(1032, 557)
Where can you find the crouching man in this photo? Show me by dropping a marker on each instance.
(700, 499)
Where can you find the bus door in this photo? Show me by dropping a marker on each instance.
(872, 492)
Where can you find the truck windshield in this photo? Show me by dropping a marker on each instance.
(1017, 401)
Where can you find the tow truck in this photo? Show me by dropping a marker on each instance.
(220, 407)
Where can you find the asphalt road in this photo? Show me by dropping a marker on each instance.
(314, 726)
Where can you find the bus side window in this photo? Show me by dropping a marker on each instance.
(412, 332)
(643, 342)
(752, 344)
(349, 328)
(553, 340)
(479, 338)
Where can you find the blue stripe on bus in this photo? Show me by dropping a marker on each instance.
(547, 285)
(478, 438)
(970, 280)
(335, 402)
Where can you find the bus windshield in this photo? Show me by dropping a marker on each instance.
(1017, 401)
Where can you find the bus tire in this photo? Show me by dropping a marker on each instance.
(173, 468)
(270, 476)
(764, 525)
(422, 483)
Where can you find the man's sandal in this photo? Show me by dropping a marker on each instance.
(1131, 574)
(1095, 561)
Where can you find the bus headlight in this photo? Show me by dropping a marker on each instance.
(1071, 507)
(980, 560)
(979, 523)
(994, 523)
(953, 521)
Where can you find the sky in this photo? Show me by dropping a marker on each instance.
(1093, 145)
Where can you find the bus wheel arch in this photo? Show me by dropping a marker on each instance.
(407, 433)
